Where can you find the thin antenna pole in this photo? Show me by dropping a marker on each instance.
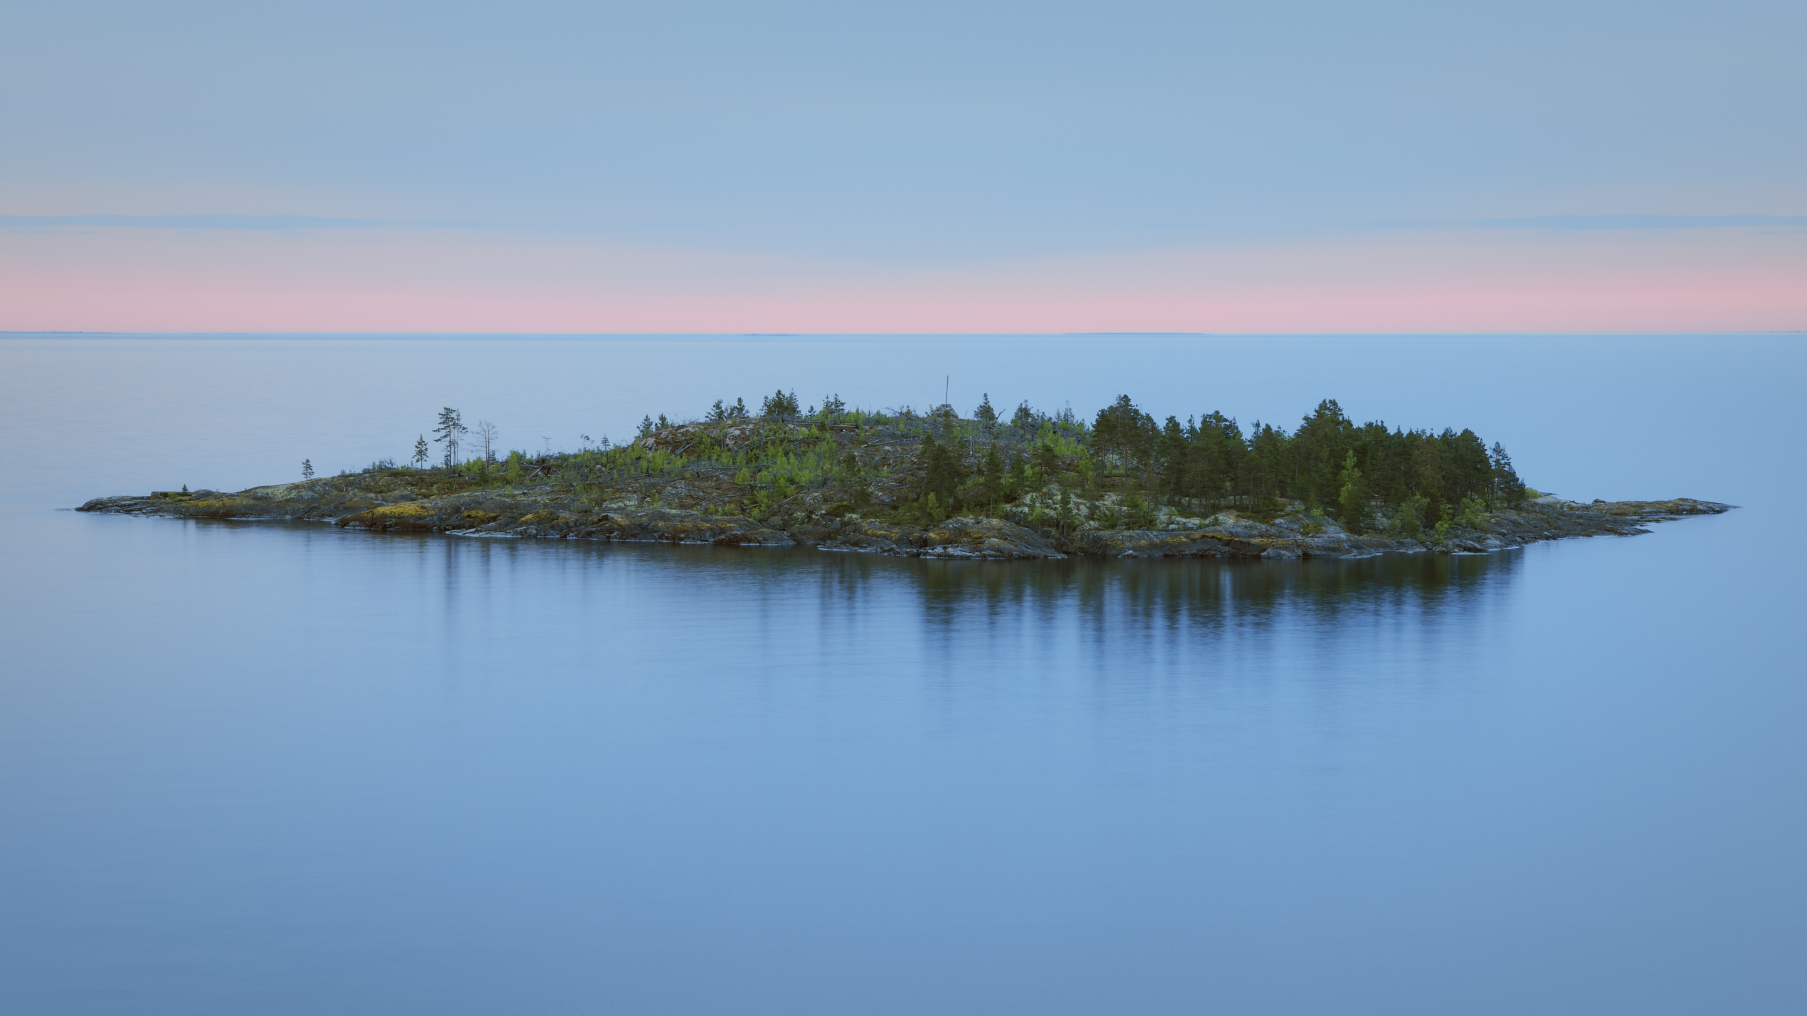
(947, 382)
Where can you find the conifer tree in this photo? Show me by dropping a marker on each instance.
(421, 451)
(1507, 487)
(307, 469)
(1175, 459)
(942, 472)
(1353, 500)
(985, 414)
(451, 427)
(1124, 429)
(990, 485)
(779, 406)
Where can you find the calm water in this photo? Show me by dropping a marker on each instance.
(279, 768)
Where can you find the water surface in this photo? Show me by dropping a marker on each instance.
(281, 768)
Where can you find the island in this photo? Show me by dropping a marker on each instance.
(937, 484)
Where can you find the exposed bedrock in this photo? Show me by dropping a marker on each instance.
(547, 512)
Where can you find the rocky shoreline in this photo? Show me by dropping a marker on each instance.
(565, 511)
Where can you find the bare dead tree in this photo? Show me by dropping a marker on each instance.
(486, 433)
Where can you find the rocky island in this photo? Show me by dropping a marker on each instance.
(937, 484)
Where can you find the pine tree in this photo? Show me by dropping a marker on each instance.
(1123, 428)
(307, 469)
(942, 472)
(1353, 501)
(1175, 478)
(451, 427)
(421, 451)
(779, 406)
(989, 487)
(985, 414)
(1507, 487)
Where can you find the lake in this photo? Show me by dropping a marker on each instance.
(284, 768)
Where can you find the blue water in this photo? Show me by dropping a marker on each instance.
(280, 768)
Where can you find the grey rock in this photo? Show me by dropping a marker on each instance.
(544, 513)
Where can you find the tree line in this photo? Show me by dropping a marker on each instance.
(1363, 474)
(1212, 458)
(1357, 472)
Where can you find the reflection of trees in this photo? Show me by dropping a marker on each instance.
(1176, 591)
(1107, 599)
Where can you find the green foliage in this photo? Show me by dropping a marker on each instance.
(1126, 433)
(927, 511)
(1508, 489)
(780, 406)
(1445, 520)
(1408, 517)
(1137, 513)
(1352, 499)
(846, 459)
(985, 414)
(942, 471)
(451, 427)
(987, 487)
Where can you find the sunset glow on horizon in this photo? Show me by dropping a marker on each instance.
(414, 281)
(813, 168)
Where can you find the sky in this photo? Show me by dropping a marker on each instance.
(924, 167)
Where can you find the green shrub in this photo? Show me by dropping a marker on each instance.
(1408, 519)
(1137, 514)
